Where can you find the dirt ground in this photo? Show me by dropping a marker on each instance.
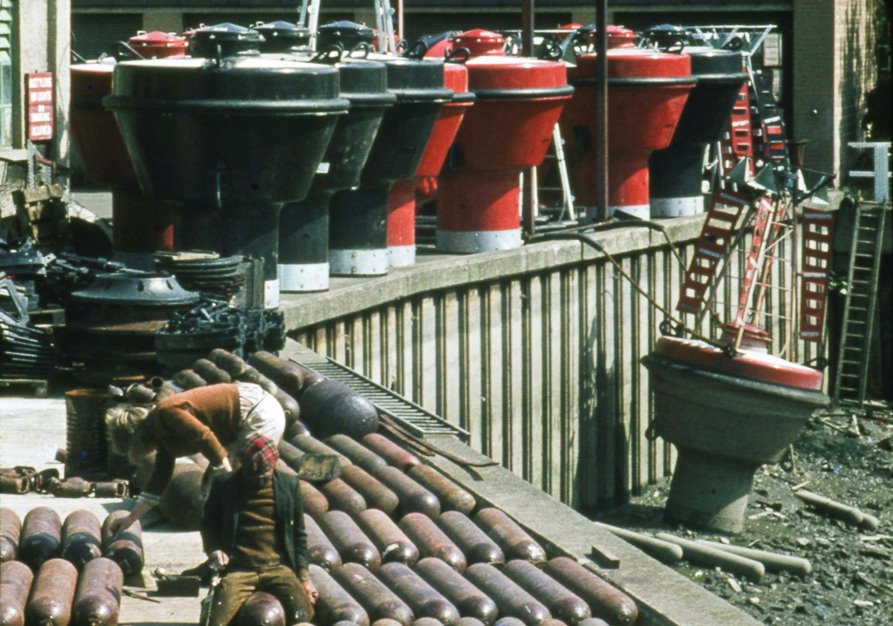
(843, 454)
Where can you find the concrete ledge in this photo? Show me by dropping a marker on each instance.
(436, 272)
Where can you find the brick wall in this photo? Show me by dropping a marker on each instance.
(833, 70)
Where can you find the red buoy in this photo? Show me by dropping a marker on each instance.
(518, 102)
(647, 91)
(401, 198)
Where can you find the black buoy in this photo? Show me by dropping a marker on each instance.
(230, 136)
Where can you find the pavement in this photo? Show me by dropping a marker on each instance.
(31, 431)
(97, 201)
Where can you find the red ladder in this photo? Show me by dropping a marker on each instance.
(712, 247)
(817, 247)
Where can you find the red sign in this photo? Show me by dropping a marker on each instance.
(39, 93)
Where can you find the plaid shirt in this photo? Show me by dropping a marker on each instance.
(259, 453)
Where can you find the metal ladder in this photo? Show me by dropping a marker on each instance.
(851, 380)
(556, 153)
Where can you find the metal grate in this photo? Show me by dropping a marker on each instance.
(410, 415)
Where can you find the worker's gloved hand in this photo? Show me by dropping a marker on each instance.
(311, 591)
(121, 524)
(220, 559)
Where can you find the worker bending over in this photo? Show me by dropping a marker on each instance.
(211, 420)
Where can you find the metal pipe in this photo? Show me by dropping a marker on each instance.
(773, 561)
(659, 549)
(601, 134)
(732, 563)
(528, 210)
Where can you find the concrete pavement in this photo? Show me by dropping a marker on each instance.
(31, 430)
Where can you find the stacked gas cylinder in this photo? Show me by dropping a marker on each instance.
(392, 538)
(71, 572)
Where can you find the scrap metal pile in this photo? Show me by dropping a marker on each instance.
(121, 323)
(25, 352)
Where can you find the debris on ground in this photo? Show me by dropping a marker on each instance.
(845, 457)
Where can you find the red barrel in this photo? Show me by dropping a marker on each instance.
(518, 102)
(402, 196)
(141, 225)
(647, 91)
(158, 45)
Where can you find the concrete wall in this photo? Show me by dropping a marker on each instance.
(834, 69)
(535, 351)
(40, 44)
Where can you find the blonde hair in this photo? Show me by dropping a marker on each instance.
(124, 426)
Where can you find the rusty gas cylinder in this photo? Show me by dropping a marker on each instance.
(413, 497)
(452, 497)
(72, 487)
(605, 600)
(181, 501)
(422, 598)
(189, 379)
(390, 451)
(513, 539)
(139, 393)
(311, 445)
(97, 600)
(41, 536)
(52, 594)
(315, 503)
(352, 543)
(429, 621)
(232, 363)
(376, 493)
(81, 538)
(391, 541)
(295, 428)
(431, 540)
(287, 374)
(477, 546)
(508, 620)
(356, 452)
(15, 584)
(261, 609)
(343, 497)
(291, 454)
(10, 533)
(471, 601)
(167, 389)
(470, 621)
(289, 405)
(335, 603)
(210, 372)
(561, 601)
(125, 548)
(252, 375)
(118, 488)
(373, 594)
(320, 549)
(510, 597)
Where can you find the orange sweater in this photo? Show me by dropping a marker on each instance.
(204, 420)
